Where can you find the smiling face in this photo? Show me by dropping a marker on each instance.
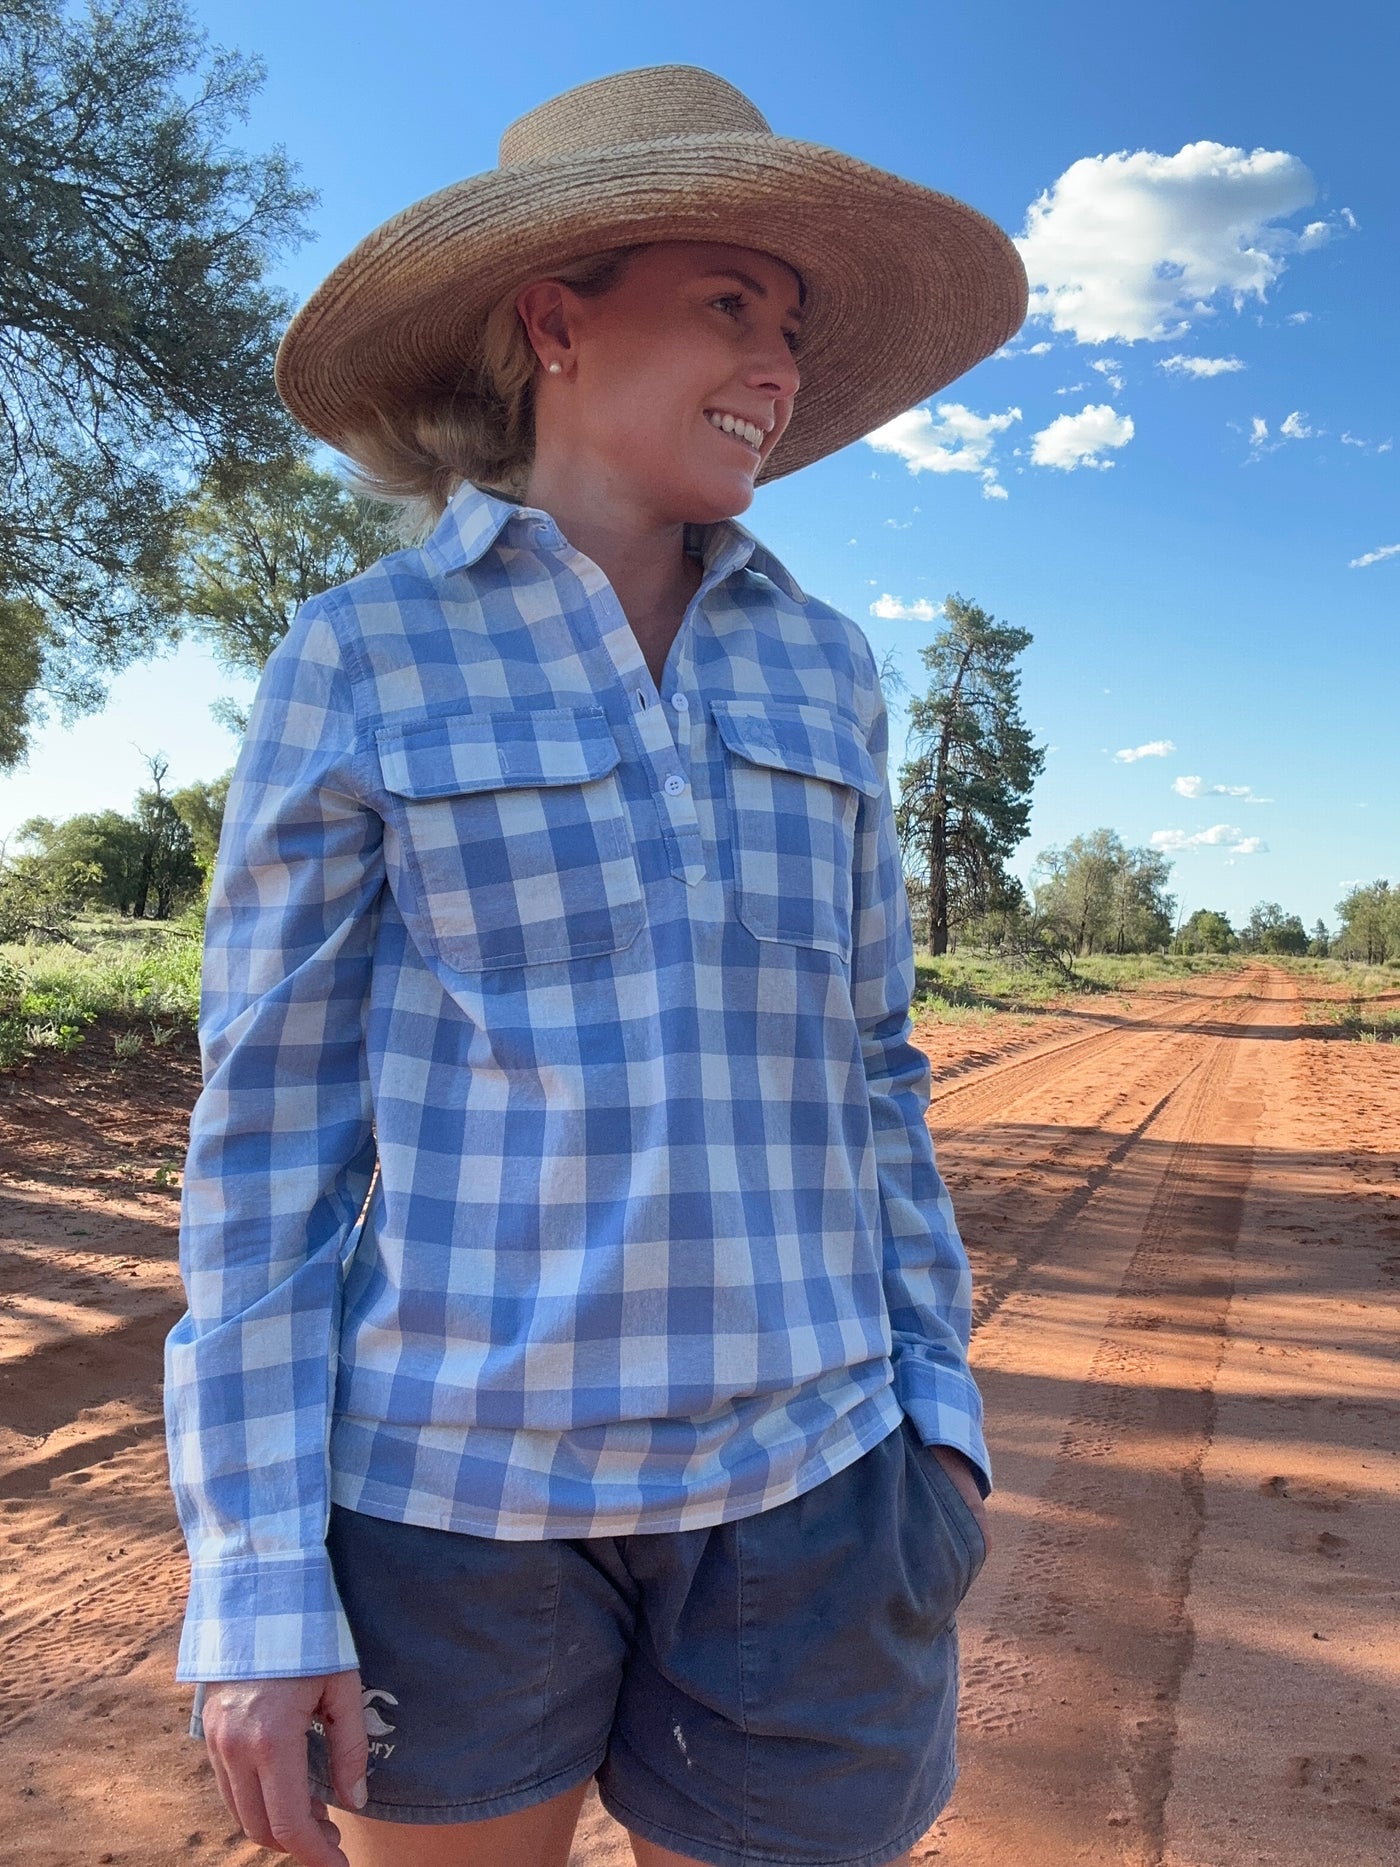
(675, 384)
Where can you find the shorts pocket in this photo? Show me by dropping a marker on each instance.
(956, 1513)
(796, 772)
(512, 840)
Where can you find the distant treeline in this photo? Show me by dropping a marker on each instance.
(149, 864)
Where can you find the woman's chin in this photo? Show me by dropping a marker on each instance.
(715, 496)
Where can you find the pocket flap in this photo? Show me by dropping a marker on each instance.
(491, 751)
(800, 736)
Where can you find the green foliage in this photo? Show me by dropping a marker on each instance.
(103, 840)
(957, 987)
(23, 635)
(1206, 932)
(254, 546)
(50, 994)
(40, 898)
(136, 333)
(201, 808)
(35, 1016)
(965, 790)
(153, 862)
(1270, 930)
(1370, 924)
(1096, 895)
(169, 871)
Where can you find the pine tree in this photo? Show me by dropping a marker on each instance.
(965, 791)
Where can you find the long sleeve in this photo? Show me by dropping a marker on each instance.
(280, 1161)
(928, 1285)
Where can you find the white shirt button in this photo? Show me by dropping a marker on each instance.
(680, 703)
(674, 785)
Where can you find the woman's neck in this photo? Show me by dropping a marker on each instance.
(643, 558)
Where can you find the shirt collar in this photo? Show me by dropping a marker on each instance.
(473, 522)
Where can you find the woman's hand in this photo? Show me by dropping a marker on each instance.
(256, 1729)
(959, 1469)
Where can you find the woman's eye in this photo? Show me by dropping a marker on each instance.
(731, 302)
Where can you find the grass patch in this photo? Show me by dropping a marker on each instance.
(51, 993)
(959, 987)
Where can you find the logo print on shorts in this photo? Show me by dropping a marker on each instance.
(374, 1723)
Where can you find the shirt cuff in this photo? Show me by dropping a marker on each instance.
(264, 1620)
(946, 1410)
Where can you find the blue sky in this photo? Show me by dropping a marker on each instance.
(1188, 540)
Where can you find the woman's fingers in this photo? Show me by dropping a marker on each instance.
(256, 1735)
(291, 1821)
(347, 1743)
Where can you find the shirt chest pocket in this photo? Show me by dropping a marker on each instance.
(795, 774)
(514, 845)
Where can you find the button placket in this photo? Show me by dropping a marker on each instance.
(665, 749)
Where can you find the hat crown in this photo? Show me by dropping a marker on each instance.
(631, 107)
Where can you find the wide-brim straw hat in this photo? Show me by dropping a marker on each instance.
(906, 287)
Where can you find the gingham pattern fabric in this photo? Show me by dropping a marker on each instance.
(612, 986)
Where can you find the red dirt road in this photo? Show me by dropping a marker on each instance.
(1183, 1210)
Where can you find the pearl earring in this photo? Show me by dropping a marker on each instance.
(556, 369)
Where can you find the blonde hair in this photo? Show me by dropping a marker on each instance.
(415, 456)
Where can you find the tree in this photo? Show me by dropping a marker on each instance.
(1270, 930)
(1207, 932)
(253, 546)
(105, 843)
(1097, 895)
(965, 793)
(1370, 923)
(136, 333)
(168, 865)
(201, 807)
(40, 899)
(1320, 945)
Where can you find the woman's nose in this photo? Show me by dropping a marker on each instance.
(776, 372)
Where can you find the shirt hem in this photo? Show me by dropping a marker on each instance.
(398, 1506)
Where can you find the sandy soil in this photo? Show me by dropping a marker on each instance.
(1183, 1208)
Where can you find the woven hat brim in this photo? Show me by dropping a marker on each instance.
(907, 288)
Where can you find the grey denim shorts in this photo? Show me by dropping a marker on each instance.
(779, 1688)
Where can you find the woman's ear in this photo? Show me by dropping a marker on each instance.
(544, 312)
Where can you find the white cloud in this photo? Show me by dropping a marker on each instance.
(889, 609)
(1374, 557)
(1040, 350)
(1293, 427)
(957, 442)
(1155, 748)
(1078, 440)
(1356, 440)
(1298, 317)
(1200, 366)
(1108, 367)
(1074, 388)
(1197, 787)
(1218, 836)
(1137, 245)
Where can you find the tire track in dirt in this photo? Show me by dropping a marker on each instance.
(1083, 1157)
(991, 1091)
(1071, 1677)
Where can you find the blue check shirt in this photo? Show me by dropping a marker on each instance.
(560, 1167)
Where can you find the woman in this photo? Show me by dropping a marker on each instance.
(574, 1379)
